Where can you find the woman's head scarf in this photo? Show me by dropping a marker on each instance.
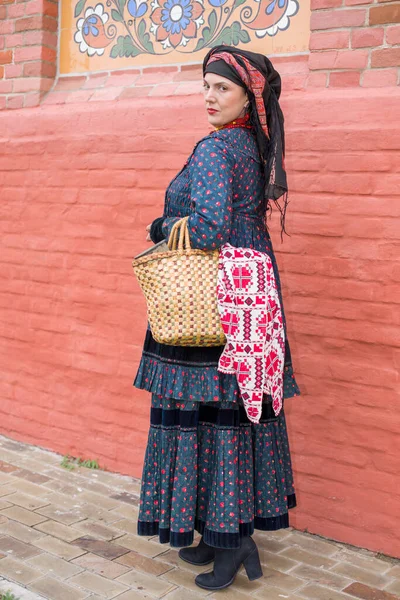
(255, 73)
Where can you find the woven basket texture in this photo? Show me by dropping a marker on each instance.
(180, 287)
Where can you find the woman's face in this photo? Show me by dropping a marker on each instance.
(225, 100)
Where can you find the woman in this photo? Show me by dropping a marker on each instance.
(207, 467)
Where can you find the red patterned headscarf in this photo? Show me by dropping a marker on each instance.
(263, 85)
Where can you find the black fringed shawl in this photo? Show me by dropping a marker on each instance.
(263, 85)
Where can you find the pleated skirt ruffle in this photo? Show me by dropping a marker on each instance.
(207, 468)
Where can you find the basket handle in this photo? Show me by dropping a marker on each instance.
(179, 238)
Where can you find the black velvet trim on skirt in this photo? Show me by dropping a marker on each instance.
(214, 538)
(175, 539)
(212, 415)
(189, 422)
(197, 356)
(186, 356)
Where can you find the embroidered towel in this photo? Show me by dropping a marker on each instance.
(251, 318)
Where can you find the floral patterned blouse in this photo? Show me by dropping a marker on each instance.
(221, 189)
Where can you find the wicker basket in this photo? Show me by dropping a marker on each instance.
(180, 287)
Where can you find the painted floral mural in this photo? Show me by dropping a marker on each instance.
(129, 28)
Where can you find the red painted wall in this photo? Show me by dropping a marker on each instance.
(79, 183)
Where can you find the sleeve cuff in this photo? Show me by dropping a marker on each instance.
(156, 232)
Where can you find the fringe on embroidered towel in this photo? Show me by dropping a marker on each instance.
(251, 318)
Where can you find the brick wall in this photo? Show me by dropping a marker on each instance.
(28, 55)
(81, 176)
(341, 274)
(179, 80)
(78, 189)
(355, 42)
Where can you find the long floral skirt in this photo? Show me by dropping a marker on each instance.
(208, 468)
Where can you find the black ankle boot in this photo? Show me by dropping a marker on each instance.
(228, 562)
(199, 555)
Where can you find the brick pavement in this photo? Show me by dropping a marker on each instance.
(71, 535)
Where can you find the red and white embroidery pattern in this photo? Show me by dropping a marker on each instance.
(251, 318)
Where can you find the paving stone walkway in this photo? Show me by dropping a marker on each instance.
(71, 535)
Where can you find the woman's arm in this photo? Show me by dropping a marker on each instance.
(211, 193)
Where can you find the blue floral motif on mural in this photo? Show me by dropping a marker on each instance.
(176, 15)
(272, 16)
(91, 34)
(137, 8)
(90, 26)
(176, 24)
(217, 3)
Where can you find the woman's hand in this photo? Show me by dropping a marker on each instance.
(148, 238)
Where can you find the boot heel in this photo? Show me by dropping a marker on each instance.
(253, 566)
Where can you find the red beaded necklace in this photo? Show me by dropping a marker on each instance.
(239, 122)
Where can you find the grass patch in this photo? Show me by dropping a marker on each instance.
(8, 596)
(70, 462)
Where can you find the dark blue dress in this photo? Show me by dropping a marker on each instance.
(206, 466)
